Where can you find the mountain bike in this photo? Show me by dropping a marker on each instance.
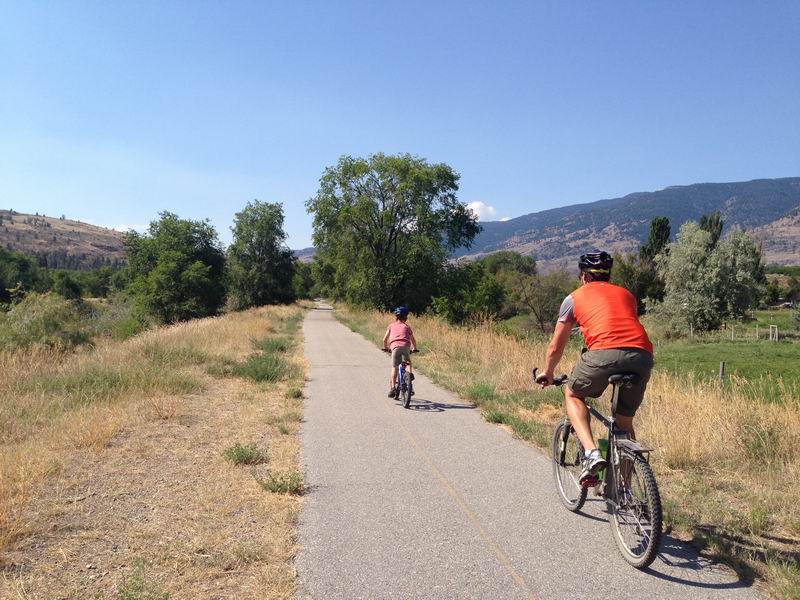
(627, 484)
(403, 388)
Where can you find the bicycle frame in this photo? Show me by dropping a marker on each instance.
(616, 438)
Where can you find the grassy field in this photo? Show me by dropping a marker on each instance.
(139, 469)
(728, 463)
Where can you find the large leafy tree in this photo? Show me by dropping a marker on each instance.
(707, 281)
(260, 265)
(383, 227)
(175, 270)
(468, 291)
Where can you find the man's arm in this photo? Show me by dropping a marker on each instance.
(556, 350)
(566, 319)
(413, 343)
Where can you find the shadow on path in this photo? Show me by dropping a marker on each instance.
(421, 405)
(679, 556)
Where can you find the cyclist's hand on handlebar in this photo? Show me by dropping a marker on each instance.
(545, 379)
(415, 350)
(385, 350)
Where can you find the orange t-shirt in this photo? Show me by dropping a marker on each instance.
(607, 315)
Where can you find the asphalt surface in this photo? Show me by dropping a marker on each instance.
(433, 502)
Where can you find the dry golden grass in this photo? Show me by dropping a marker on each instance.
(726, 464)
(89, 439)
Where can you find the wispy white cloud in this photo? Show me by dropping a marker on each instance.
(504, 219)
(139, 228)
(483, 210)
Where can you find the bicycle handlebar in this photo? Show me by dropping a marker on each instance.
(556, 381)
(387, 351)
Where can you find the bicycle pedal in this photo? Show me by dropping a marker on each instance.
(590, 482)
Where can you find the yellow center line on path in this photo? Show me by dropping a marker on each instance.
(462, 504)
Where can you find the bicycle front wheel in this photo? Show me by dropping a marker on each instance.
(567, 454)
(636, 518)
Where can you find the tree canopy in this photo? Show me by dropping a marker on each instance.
(383, 227)
(260, 265)
(707, 283)
(176, 269)
(657, 239)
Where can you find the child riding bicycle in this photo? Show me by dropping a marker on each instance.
(399, 340)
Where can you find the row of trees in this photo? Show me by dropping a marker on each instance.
(178, 269)
(384, 225)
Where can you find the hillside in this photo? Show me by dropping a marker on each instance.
(61, 243)
(770, 208)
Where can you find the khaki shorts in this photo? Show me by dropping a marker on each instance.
(399, 354)
(589, 378)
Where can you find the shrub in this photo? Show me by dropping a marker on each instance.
(43, 320)
(289, 482)
(240, 454)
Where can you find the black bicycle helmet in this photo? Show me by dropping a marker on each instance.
(401, 311)
(596, 262)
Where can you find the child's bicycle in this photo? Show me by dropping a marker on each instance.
(403, 388)
(627, 484)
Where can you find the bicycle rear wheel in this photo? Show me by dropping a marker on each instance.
(635, 512)
(407, 395)
(567, 454)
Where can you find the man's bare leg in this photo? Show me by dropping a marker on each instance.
(393, 380)
(578, 414)
(626, 424)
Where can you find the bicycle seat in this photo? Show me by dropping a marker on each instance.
(625, 379)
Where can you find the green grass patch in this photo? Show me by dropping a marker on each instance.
(273, 344)
(480, 392)
(287, 482)
(762, 363)
(265, 368)
(294, 392)
(494, 415)
(136, 587)
(245, 454)
(102, 384)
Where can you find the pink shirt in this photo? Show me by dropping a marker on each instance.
(399, 335)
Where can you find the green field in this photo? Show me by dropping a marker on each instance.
(764, 364)
(749, 359)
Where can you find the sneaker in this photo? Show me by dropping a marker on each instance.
(392, 393)
(592, 463)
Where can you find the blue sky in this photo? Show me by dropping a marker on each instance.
(113, 111)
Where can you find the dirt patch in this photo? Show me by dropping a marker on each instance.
(162, 492)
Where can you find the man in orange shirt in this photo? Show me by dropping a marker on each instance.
(617, 343)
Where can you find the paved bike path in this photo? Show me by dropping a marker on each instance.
(434, 502)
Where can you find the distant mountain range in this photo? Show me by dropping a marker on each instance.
(768, 208)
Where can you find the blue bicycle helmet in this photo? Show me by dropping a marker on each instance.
(401, 311)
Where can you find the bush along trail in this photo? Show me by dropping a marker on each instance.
(728, 464)
(162, 466)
